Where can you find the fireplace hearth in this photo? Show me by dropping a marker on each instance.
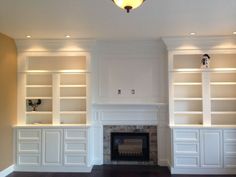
(129, 146)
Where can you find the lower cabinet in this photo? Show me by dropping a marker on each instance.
(203, 151)
(52, 149)
(211, 148)
(52, 146)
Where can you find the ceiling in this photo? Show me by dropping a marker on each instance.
(101, 19)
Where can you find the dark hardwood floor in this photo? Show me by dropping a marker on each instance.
(116, 171)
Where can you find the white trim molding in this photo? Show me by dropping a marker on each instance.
(198, 43)
(7, 171)
(71, 45)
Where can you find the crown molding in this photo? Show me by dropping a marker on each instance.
(62, 45)
(198, 43)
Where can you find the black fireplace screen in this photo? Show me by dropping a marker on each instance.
(130, 146)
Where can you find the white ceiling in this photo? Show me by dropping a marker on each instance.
(101, 19)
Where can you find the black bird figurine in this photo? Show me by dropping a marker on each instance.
(34, 105)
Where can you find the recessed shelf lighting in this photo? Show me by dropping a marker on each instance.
(234, 32)
(67, 36)
(192, 34)
(28, 36)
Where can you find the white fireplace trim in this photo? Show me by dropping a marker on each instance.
(129, 115)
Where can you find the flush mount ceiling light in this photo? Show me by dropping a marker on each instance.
(128, 4)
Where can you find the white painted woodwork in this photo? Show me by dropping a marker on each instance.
(206, 92)
(75, 134)
(29, 159)
(56, 100)
(52, 146)
(230, 162)
(51, 75)
(186, 161)
(29, 134)
(211, 148)
(29, 147)
(186, 148)
(186, 135)
(74, 160)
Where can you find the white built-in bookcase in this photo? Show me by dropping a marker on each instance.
(61, 81)
(202, 96)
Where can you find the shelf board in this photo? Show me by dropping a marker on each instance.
(188, 70)
(223, 83)
(73, 112)
(74, 98)
(188, 112)
(187, 83)
(223, 112)
(68, 86)
(39, 97)
(196, 70)
(223, 99)
(38, 86)
(222, 70)
(187, 99)
(39, 112)
(58, 71)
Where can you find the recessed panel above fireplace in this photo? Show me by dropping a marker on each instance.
(129, 146)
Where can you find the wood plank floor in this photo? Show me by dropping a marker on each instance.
(116, 171)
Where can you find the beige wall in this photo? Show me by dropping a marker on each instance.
(8, 64)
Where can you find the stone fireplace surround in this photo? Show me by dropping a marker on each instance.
(152, 130)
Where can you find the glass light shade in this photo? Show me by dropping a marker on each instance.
(128, 4)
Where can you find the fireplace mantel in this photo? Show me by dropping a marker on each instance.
(128, 113)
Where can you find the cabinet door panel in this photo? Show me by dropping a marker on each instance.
(187, 161)
(230, 136)
(75, 147)
(75, 134)
(29, 147)
(28, 159)
(75, 159)
(230, 162)
(186, 148)
(52, 147)
(29, 134)
(211, 148)
(186, 135)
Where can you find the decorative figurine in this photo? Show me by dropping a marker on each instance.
(34, 105)
(205, 61)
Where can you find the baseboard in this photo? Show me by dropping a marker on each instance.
(97, 162)
(81, 169)
(203, 171)
(163, 162)
(7, 171)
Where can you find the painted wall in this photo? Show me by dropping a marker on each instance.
(138, 64)
(8, 97)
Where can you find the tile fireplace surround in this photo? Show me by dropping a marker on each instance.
(152, 130)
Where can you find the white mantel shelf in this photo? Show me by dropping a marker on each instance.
(128, 104)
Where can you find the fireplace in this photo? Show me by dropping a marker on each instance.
(129, 146)
(150, 130)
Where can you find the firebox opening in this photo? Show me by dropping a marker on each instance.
(130, 146)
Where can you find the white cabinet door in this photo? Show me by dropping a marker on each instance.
(52, 146)
(211, 148)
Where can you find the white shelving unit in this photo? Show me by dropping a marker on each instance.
(201, 96)
(60, 81)
(202, 105)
